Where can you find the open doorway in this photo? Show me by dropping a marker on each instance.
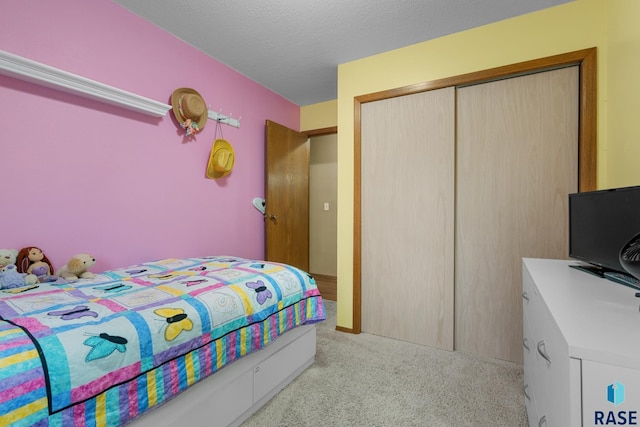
(323, 189)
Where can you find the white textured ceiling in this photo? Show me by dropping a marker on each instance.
(293, 47)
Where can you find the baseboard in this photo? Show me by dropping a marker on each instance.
(327, 285)
(347, 330)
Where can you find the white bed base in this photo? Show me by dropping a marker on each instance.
(230, 396)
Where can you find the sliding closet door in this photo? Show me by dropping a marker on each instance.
(407, 217)
(517, 157)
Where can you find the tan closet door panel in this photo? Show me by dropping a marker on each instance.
(407, 217)
(517, 161)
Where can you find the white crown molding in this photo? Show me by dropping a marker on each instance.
(25, 69)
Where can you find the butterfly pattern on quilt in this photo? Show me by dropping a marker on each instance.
(103, 345)
(177, 321)
(74, 313)
(113, 288)
(262, 292)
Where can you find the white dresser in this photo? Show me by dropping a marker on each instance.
(581, 339)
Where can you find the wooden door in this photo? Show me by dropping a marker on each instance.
(286, 196)
(407, 238)
(517, 161)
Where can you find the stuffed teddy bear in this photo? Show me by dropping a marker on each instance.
(32, 260)
(77, 268)
(10, 278)
(8, 256)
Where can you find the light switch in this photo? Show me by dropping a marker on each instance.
(326, 206)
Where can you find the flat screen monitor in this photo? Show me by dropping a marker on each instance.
(600, 223)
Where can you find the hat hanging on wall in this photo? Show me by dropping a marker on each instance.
(221, 159)
(189, 109)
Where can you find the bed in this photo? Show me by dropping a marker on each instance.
(191, 340)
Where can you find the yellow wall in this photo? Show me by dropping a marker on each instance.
(622, 95)
(569, 27)
(319, 116)
(610, 25)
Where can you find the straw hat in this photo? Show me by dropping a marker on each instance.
(221, 159)
(190, 109)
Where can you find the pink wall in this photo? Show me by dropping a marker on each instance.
(82, 176)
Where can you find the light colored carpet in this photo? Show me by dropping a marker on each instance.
(367, 380)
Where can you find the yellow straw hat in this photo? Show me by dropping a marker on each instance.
(221, 159)
(190, 109)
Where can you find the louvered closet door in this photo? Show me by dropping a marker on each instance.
(517, 160)
(407, 217)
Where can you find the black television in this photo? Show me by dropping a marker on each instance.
(601, 222)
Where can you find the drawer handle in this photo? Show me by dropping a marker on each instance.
(524, 344)
(542, 421)
(543, 352)
(525, 296)
(525, 392)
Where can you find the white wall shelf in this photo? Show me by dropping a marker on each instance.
(227, 120)
(25, 69)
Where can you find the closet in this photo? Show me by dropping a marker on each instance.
(457, 185)
(407, 220)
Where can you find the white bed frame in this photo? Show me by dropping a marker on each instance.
(237, 391)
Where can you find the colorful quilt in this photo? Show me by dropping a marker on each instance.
(102, 351)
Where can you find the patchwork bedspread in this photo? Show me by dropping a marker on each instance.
(103, 351)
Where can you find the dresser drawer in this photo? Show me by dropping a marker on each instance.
(552, 368)
(546, 362)
(531, 376)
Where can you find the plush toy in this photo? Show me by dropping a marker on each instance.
(10, 278)
(32, 260)
(77, 268)
(8, 256)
